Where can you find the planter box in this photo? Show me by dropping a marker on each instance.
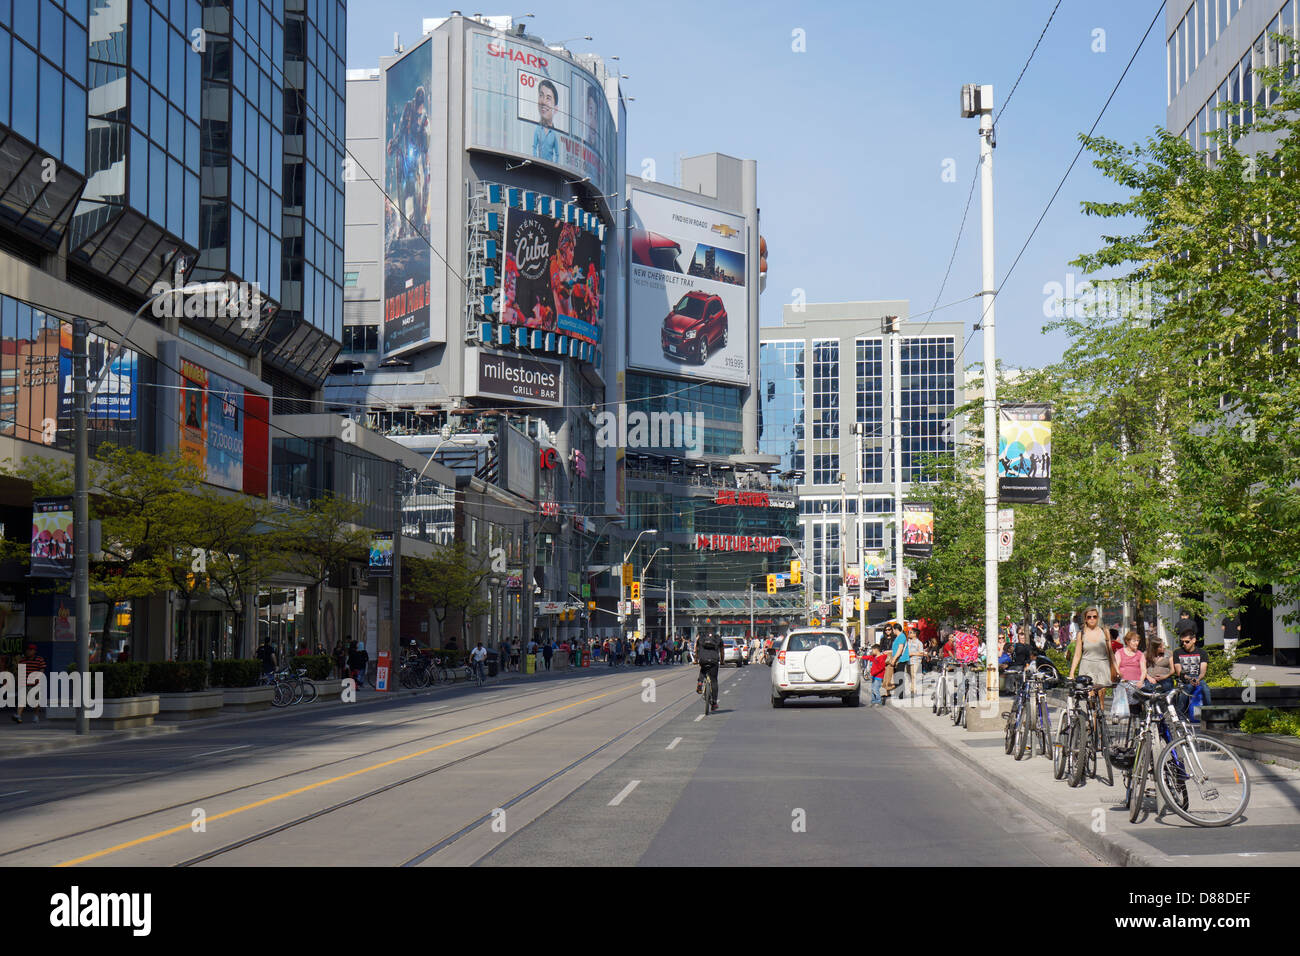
(329, 689)
(240, 700)
(119, 712)
(193, 705)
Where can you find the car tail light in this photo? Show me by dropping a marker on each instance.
(780, 657)
(853, 658)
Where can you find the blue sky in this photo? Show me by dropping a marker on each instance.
(852, 135)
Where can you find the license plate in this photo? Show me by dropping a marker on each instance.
(795, 675)
(673, 349)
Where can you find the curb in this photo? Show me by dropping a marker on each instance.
(1109, 847)
(68, 740)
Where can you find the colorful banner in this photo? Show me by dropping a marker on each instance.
(552, 276)
(52, 538)
(873, 565)
(408, 256)
(1025, 453)
(918, 529)
(381, 556)
(212, 431)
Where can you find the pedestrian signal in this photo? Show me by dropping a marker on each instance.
(591, 605)
(796, 572)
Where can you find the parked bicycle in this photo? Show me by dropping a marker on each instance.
(968, 691)
(1083, 734)
(1198, 778)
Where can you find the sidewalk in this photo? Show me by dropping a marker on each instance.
(1268, 834)
(29, 738)
(1265, 673)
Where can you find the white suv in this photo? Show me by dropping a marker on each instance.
(733, 651)
(816, 662)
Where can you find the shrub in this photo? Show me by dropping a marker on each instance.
(318, 665)
(122, 680)
(236, 673)
(1271, 721)
(176, 677)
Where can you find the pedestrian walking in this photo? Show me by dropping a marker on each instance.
(548, 650)
(1093, 656)
(341, 659)
(32, 665)
(266, 654)
(503, 656)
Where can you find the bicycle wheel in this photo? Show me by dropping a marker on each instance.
(1137, 791)
(1022, 731)
(308, 691)
(707, 693)
(1063, 748)
(283, 695)
(1009, 731)
(1079, 750)
(937, 706)
(1203, 781)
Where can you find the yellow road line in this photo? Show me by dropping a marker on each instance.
(355, 773)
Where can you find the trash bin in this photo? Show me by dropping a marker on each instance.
(492, 664)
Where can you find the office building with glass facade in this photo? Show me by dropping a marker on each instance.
(826, 368)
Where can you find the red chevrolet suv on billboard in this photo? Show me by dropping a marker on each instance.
(695, 328)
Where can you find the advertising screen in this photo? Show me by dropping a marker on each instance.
(52, 538)
(552, 276)
(688, 305)
(528, 101)
(408, 257)
(381, 556)
(215, 433)
(116, 396)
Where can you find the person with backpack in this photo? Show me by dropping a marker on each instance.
(708, 651)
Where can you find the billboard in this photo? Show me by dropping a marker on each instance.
(52, 538)
(223, 430)
(520, 460)
(918, 529)
(381, 556)
(552, 276)
(117, 395)
(688, 302)
(528, 101)
(513, 377)
(408, 257)
(1025, 453)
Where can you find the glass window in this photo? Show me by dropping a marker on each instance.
(51, 31)
(175, 198)
(75, 53)
(24, 109)
(5, 74)
(50, 135)
(74, 125)
(138, 167)
(157, 185)
(159, 37)
(191, 233)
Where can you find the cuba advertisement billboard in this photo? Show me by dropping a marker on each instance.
(688, 305)
(553, 276)
(528, 101)
(408, 259)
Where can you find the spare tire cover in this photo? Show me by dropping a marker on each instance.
(822, 663)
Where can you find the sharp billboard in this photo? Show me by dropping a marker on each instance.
(526, 100)
(688, 303)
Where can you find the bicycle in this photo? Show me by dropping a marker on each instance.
(1082, 734)
(475, 669)
(1019, 705)
(283, 692)
(942, 704)
(706, 685)
(1198, 778)
(970, 676)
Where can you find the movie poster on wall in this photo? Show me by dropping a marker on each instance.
(408, 257)
(531, 102)
(553, 276)
(688, 301)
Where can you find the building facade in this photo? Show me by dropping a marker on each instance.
(1213, 50)
(827, 368)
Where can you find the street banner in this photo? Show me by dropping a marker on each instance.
(381, 556)
(873, 566)
(1025, 453)
(1006, 532)
(918, 529)
(852, 576)
(52, 538)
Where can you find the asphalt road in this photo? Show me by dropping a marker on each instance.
(538, 773)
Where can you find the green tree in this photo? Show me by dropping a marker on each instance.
(451, 582)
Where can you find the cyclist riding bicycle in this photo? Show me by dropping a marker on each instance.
(708, 653)
(477, 657)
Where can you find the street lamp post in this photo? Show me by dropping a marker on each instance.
(622, 587)
(81, 399)
(644, 572)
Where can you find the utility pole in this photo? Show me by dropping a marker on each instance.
(844, 553)
(81, 512)
(751, 609)
(859, 532)
(891, 326)
(978, 101)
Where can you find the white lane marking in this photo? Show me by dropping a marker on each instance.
(360, 723)
(14, 793)
(223, 750)
(623, 793)
(699, 717)
(676, 741)
(727, 691)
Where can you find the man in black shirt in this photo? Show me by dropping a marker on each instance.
(267, 656)
(1190, 663)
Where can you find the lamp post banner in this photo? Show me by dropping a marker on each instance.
(1025, 453)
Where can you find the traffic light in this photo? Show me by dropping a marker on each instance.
(771, 584)
(636, 590)
(627, 574)
(591, 605)
(796, 572)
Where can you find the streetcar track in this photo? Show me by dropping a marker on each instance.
(350, 731)
(307, 818)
